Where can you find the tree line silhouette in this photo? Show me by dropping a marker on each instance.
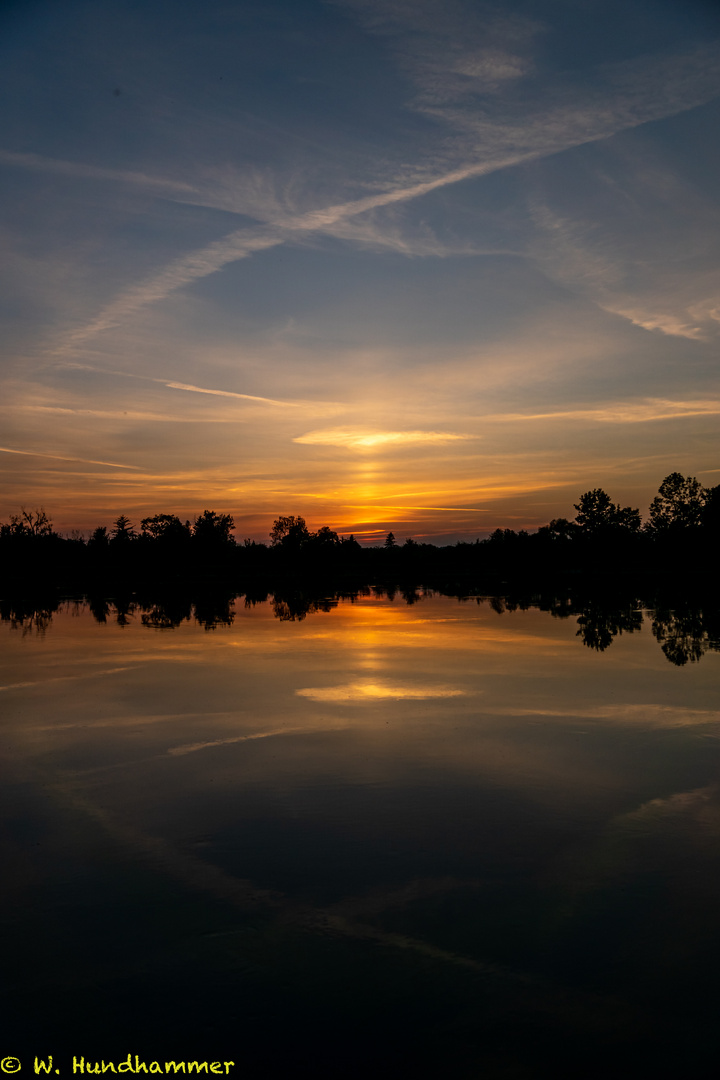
(680, 536)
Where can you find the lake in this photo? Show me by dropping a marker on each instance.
(436, 837)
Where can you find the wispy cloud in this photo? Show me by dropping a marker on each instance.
(323, 407)
(198, 264)
(666, 322)
(388, 229)
(62, 457)
(400, 509)
(459, 53)
(126, 415)
(453, 50)
(366, 439)
(59, 167)
(645, 411)
(625, 260)
(627, 95)
(244, 242)
(319, 407)
(229, 394)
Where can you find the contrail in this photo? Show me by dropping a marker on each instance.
(639, 96)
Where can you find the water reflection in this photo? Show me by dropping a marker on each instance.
(599, 624)
(684, 631)
(311, 834)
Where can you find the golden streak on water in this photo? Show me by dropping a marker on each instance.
(362, 691)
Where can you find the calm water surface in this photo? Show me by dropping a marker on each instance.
(429, 837)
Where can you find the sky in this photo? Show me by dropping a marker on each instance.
(428, 266)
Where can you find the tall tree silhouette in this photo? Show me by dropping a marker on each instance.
(678, 505)
(123, 530)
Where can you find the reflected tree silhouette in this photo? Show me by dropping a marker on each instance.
(684, 631)
(167, 615)
(27, 617)
(295, 607)
(99, 607)
(287, 611)
(124, 611)
(253, 598)
(558, 607)
(212, 611)
(599, 625)
(681, 635)
(410, 596)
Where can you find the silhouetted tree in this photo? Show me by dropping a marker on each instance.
(28, 523)
(165, 527)
(561, 529)
(390, 541)
(711, 510)
(212, 528)
(289, 532)
(324, 538)
(99, 538)
(501, 536)
(596, 512)
(679, 504)
(123, 530)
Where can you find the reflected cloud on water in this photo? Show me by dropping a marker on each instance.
(362, 692)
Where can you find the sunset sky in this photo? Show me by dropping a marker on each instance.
(435, 266)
